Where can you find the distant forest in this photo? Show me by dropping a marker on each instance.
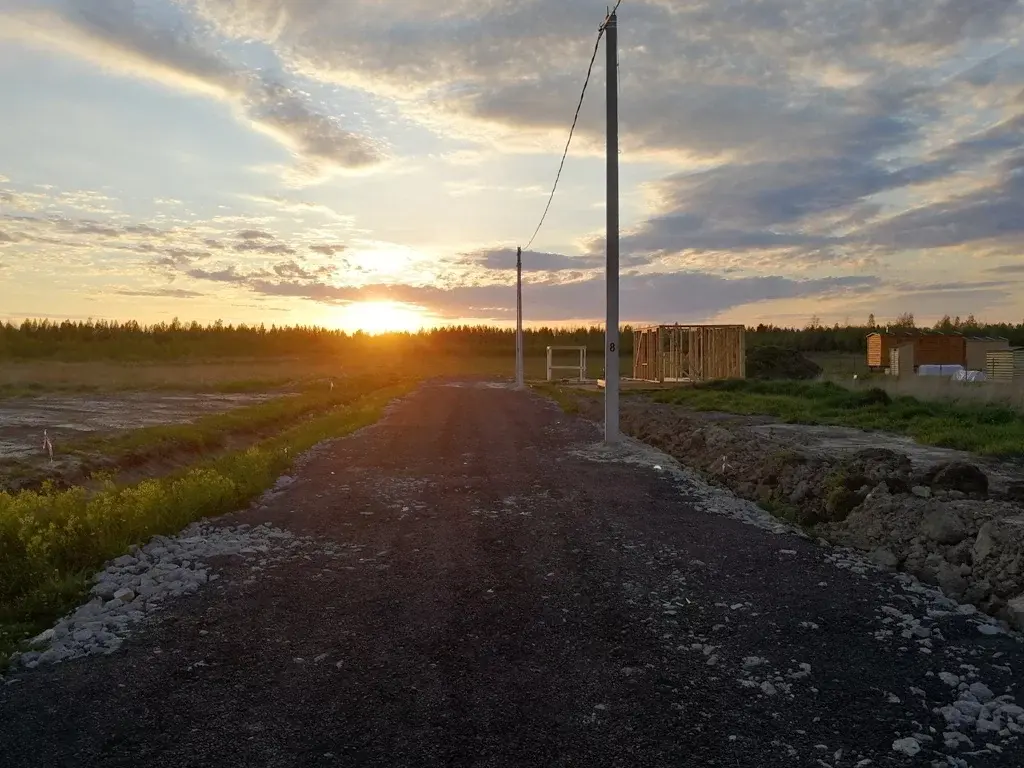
(100, 340)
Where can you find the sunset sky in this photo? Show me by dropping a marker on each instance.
(374, 163)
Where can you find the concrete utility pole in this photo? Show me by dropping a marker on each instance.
(611, 348)
(520, 375)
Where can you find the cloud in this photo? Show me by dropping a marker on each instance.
(293, 271)
(533, 261)
(170, 293)
(807, 116)
(254, 234)
(688, 296)
(117, 36)
(1007, 269)
(703, 78)
(328, 249)
(84, 227)
(300, 207)
(992, 212)
(266, 248)
(226, 275)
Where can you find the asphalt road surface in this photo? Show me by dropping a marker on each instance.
(519, 597)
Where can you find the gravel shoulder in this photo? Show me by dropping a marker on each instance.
(476, 581)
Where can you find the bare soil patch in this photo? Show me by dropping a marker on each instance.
(65, 418)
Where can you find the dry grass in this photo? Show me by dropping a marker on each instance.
(1008, 395)
(989, 429)
(39, 376)
(47, 375)
(254, 375)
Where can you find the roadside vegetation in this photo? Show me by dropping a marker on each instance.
(982, 428)
(51, 541)
(217, 431)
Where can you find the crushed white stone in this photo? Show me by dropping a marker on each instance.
(975, 720)
(708, 498)
(908, 746)
(134, 586)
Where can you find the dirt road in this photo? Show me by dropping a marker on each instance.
(510, 600)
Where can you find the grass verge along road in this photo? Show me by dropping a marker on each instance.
(51, 541)
(989, 430)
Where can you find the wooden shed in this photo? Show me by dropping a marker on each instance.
(1005, 365)
(978, 348)
(940, 349)
(880, 346)
(929, 348)
(901, 360)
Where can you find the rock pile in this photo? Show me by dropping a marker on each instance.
(938, 523)
(138, 584)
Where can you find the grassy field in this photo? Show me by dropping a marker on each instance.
(33, 377)
(984, 428)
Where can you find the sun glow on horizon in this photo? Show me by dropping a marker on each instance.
(381, 317)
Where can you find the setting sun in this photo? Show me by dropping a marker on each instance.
(381, 317)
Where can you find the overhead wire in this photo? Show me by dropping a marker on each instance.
(572, 130)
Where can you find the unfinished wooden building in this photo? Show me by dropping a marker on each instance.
(681, 353)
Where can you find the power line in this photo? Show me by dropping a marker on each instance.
(572, 130)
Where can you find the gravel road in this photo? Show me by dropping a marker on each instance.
(486, 586)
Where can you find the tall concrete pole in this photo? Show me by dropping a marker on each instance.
(611, 348)
(520, 375)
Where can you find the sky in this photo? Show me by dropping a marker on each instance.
(375, 163)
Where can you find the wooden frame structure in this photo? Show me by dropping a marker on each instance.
(681, 353)
(580, 367)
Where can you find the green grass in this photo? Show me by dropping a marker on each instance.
(52, 541)
(986, 429)
(567, 400)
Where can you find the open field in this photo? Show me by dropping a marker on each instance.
(28, 377)
(983, 428)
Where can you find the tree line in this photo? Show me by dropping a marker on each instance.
(98, 340)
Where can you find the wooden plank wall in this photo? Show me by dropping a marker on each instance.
(1005, 365)
(695, 352)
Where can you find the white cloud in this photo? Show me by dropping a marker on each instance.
(118, 38)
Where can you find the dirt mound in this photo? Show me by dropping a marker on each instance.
(779, 363)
